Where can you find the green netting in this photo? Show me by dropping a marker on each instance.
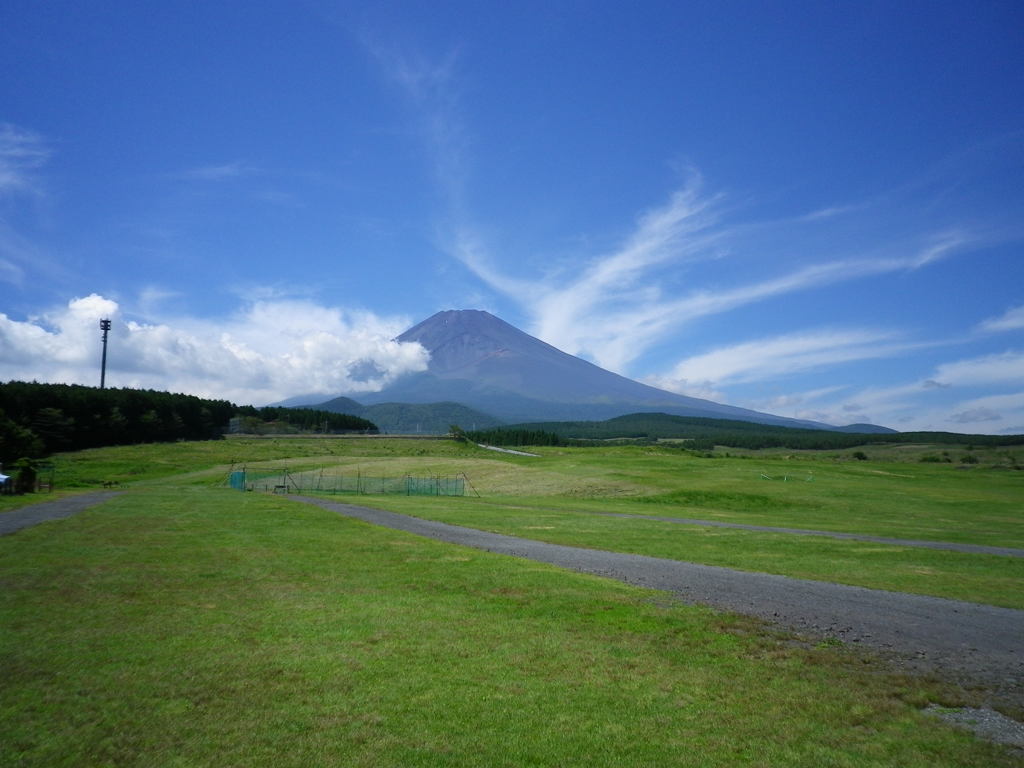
(435, 486)
(318, 481)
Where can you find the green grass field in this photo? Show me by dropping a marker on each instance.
(184, 624)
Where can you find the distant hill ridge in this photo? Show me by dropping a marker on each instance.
(664, 425)
(707, 434)
(413, 418)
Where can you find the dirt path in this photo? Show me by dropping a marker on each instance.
(23, 517)
(506, 450)
(968, 642)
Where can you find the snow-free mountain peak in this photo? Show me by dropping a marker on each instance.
(473, 343)
(481, 361)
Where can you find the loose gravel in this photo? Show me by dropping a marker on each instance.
(979, 646)
(57, 509)
(986, 723)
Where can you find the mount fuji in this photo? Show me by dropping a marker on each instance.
(482, 362)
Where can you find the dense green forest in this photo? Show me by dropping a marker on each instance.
(705, 434)
(40, 419)
(280, 420)
(509, 436)
(37, 420)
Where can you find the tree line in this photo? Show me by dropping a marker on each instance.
(270, 419)
(705, 434)
(37, 420)
(516, 436)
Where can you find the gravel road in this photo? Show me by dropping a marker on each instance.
(977, 645)
(23, 517)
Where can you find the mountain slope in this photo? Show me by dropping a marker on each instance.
(487, 364)
(412, 418)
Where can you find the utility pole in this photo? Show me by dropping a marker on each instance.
(105, 327)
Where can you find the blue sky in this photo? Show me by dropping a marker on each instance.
(814, 209)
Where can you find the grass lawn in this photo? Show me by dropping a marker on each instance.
(979, 504)
(555, 498)
(991, 579)
(182, 625)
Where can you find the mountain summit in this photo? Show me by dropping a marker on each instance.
(483, 362)
(476, 346)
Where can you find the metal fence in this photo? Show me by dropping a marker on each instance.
(319, 481)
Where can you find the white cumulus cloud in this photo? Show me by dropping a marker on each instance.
(267, 351)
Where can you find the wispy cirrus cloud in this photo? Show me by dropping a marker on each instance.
(1011, 320)
(15, 254)
(430, 86)
(946, 399)
(222, 172)
(999, 368)
(613, 309)
(889, 406)
(610, 309)
(22, 152)
(10, 272)
(785, 355)
(832, 211)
